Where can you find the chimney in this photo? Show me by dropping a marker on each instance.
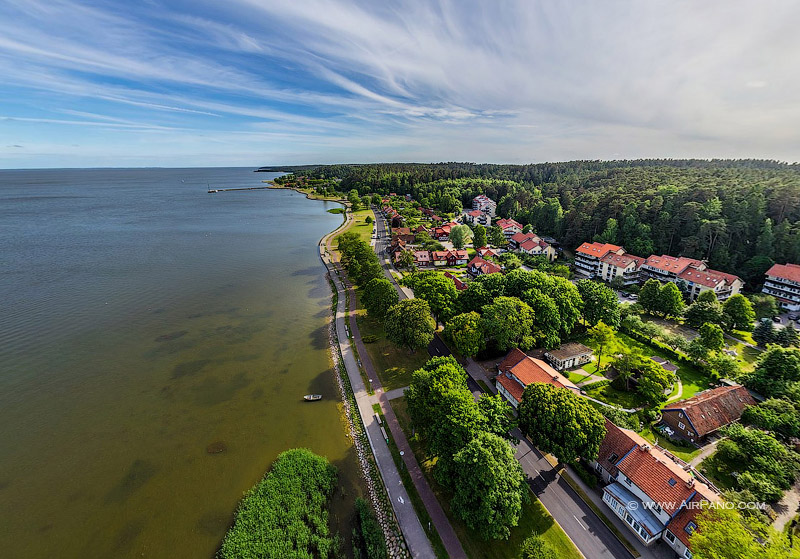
(690, 483)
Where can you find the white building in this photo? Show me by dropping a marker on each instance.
(697, 276)
(484, 204)
(624, 266)
(588, 256)
(783, 283)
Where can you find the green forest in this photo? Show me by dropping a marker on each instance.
(739, 215)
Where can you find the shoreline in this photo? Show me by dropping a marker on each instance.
(309, 195)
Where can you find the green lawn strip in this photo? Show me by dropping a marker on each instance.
(358, 225)
(534, 519)
(610, 395)
(744, 336)
(394, 365)
(416, 501)
(684, 453)
(353, 348)
(567, 475)
(692, 379)
(576, 376)
(590, 367)
(484, 387)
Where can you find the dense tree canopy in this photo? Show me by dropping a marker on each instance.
(409, 324)
(479, 240)
(722, 533)
(561, 422)
(439, 291)
(777, 369)
(508, 322)
(359, 259)
(489, 486)
(465, 332)
(697, 208)
(600, 302)
(379, 294)
(739, 312)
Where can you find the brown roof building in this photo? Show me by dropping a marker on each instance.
(518, 370)
(706, 412)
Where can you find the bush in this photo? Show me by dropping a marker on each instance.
(585, 474)
(368, 540)
(535, 547)
(285, 515)
(369, 339)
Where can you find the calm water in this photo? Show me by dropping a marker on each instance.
(141, 320)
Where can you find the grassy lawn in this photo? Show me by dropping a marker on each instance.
(393, 364)
(360, 225)
(591, 367)
(534, 519)
(610, 395)
(718, 472)
(746, 355)
(744, 336)
(692, 379)
(684, 453)
(577, 376)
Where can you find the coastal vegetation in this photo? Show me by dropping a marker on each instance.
(285, 516)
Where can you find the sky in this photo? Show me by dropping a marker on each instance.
(275, 82)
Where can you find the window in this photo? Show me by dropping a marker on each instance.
(628, 481)
(613, 458)
(687, 554)
(656, 507)
(598, 467)
(681, 425)
(629, 519)
(670, 536)
(690, 527)
(672, 482)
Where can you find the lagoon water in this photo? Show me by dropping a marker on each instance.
(142, 320)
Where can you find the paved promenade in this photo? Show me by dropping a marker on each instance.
(413, 532)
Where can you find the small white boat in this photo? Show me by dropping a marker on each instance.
(312, 397)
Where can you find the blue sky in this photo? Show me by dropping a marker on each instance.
(263, 82)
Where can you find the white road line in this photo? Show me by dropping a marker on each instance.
(579, 522)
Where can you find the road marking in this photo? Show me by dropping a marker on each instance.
(579, 522)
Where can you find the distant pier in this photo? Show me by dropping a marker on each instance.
(215, 190)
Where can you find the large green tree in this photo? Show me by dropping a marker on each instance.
(536, 547)
(465, 332)
(439, 291)
(479, 239)
(739, 312)
(599, 303)
(722, 533)
(474, 297)
(650, 296)
(460, 235)
(671, 300)
(508, 323)
(409, 324)
(489, 486)
(603, 338)
(764, 332)
(379, 294)
(702, 312)
(765, 306)
(712, 337)
(561, 422)
(775, 370)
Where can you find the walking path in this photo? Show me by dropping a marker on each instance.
(680, 391)
(396, 393)
(415, 534)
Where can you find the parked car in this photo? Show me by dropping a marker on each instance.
(793, 317)
(633, 296)
(776, 319)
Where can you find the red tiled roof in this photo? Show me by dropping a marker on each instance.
(460, 285)
(617, 442)
(530, 244)
(676, 265)
(475, 213)
(789, 272)
(513, 387)
(514, 356)
(482, 198)
(651, 470)
(529, 370)
(401, 231)
(622, 260)
(484, 266)
(483, 251)
(598, 250)
(712, 409)
(422, 256)
(678, 524)
(506, 223)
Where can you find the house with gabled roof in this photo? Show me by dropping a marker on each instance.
(705, 413)
(460, 285)
(422, 258)
(625, 266)
(518, 370)
(509, 227)
(484, 252)
(479, 267)
(403, 233)
(476, 217)
(569, 355)
(655, 496)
